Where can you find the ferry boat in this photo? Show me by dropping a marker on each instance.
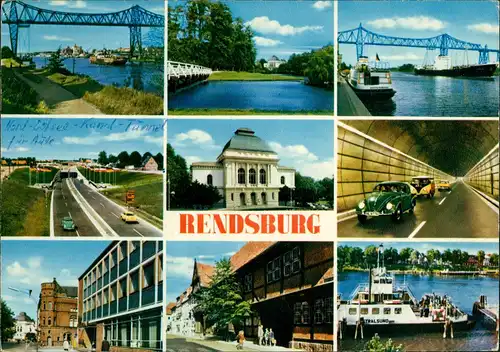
(107, 59)
(442, 67)
(383, 306)
(370, 81)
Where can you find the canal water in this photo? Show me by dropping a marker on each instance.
(141, 76)
(464, 292)
(439, 96)
(267, 95)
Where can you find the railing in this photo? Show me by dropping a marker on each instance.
(179, 69)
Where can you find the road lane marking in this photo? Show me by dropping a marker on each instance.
(417, 229)
(115, 214)
(441, 202)
(347, 218)
(495, 209)
(102, 205)
(92, 197)
(70, 214)
(138, 232)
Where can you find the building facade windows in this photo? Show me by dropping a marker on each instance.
(248, 284)
(291, 262)
(241, 176)
(262, 176)
(282, 180)
(274, 270)
(252, 177)
(319, 310)
(210, 180)
(301, 313)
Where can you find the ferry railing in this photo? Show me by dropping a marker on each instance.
(407, 289)
(359, 288)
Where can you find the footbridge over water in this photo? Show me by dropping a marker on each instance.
(444, 42)
(16, 14)
(465, 153)
(182, 75)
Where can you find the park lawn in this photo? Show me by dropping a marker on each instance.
(24, 211)
(148, 197)
(251, 76)
(22, 176)
(201, 111)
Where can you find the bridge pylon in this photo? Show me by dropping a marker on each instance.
(484, 55)
(135, 41)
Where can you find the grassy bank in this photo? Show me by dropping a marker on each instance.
(18, 97)
(251, 76)
(110, 99)
(246, 112)
(24, 211)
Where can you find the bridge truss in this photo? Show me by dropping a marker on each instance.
(361, 36)
(16, 14)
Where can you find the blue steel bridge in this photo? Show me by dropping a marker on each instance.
(16, 14)
(361, 36)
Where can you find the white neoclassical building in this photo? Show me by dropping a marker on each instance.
(23, 325)
(246, 172)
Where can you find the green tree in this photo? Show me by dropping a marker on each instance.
(376, 345)
(222, 302)
(159, 160)
(343, 257)
(371, 253)
(56, 62)
(7, 53)
(112, 158)
(357, 257)
(414, 256)
(305, 189)
(200, 194)
(135, 158)
(404, 254)
(7, 319)
(102, 158)
(480, 258)
(123, 159)
(494, 259)
(319, 68)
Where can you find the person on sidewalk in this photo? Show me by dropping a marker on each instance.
(66, 345)
(272, 340)
(266, 337)
(260, 334)
(105, 345)
(241, 340)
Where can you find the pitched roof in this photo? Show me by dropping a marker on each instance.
(245, 139)
(23, 317)
(248, 252)
(71, 291)
(170, 306)
(146, 160)
(205, 273)
(327, 276)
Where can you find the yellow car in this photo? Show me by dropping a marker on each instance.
(128, 217)
(424, 185)
(444, 185)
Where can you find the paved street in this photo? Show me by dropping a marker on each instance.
(460, 213)
(180, 344)
(22, 347)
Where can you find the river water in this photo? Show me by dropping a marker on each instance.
(464, 292)
(439, 96)
(267, 95)
(141, 76)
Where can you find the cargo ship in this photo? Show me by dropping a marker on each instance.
(102, 59)
(442, 67)
(370, 82)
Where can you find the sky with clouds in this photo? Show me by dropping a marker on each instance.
(50, 37)
(70, 139)
(306, 145)
(472, 21)
(285, 27)
(180, 261)
(26, 264)
(470, 247)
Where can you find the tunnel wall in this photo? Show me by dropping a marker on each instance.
(484, 175)
(364, 161)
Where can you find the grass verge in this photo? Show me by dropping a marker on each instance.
(18, 97)
(251, 76)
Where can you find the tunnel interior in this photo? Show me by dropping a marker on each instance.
(453, 147)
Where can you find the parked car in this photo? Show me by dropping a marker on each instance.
(68, 224)
(424, 185)
(387, 199)
(129, 217)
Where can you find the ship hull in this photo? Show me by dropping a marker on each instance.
(376, 94)
(107, 62)
(486, 70)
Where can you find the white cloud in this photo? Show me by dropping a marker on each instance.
(192, 159)
(403, 57)
(179, 266)
(95, 138)
(322, 5)
(78, 4)
(267, 26)
(261, 41)
(22, 149)
(197, 138)
(154, 140)
(317, 170)
(58, 3)
(34, 262)
(57, 38)
(8, 298)
(4, 150)
(16, 269)
(415, 23)
(298, 151)
(485, 28)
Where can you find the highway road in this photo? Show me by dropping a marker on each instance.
(66, 205)
(110, 212)
(460, 213)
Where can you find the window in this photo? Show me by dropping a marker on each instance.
(353, 311)
(273, 270)
(397, 310)
(387, 310)
(329, 310)
(44, 307)
(305, 313)
(262, 176)
(241, 176)
(319, 309)
(50, 305)
(375, 311)
(364, 311)
(297, 313)
(291, 262)
(210, 180)
(252, 176)
(282, 180)
(232, 196)
(49, 322)
(273, 195)
(122, 288)
(159, 273)
(134, 282)
(247, 283)
(148, 275)
(134, 245)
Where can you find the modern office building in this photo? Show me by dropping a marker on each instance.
(120, 297)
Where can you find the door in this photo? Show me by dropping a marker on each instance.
(264, 200)
(242, 199)
(254, 198)
(49, 341)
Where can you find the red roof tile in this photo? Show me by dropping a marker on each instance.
(205, 272)
(248, 252)
(169, 307)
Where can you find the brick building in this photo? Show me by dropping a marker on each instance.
(290, 288)
(57, 314)
(121, 297)
(149, 164)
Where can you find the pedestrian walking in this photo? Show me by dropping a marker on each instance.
(241, 340)
(105, 345)
(260, 334)
(266, 337)
(272, 340)
(66, 345)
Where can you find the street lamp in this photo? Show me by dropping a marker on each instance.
(29, 292)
